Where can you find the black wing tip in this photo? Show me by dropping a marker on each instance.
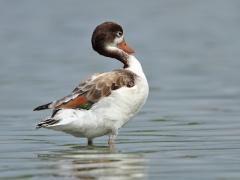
(45, 106)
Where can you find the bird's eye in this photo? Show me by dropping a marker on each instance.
(119, 34)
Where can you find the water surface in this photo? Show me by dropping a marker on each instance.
(189, 127)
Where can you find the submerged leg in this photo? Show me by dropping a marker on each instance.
(111, 139)
(90, 142)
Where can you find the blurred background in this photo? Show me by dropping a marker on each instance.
(189, 127)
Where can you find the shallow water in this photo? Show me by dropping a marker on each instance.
(189, 127)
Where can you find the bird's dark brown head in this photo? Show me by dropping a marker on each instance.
(108, 40)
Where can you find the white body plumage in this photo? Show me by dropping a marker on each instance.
(110, 113)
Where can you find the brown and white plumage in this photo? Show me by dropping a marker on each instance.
(93, 89)
(103, 103)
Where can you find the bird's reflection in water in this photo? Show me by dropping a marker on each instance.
(95, 162)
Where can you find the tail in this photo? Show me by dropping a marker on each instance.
(49, 120)
(46, 123)
(42, 107)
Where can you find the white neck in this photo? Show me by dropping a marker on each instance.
(132, 62)
(135, 66)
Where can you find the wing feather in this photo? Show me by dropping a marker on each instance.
(95, 88)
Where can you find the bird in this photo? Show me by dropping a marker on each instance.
(106, 101)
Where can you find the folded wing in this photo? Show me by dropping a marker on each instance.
(93, 89)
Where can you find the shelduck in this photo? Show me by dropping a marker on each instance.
(103, 103)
